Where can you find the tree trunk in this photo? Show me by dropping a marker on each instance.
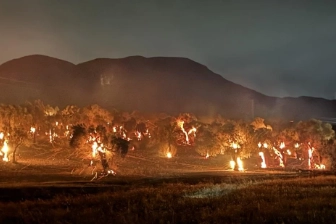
(14, 153)
(34, 137)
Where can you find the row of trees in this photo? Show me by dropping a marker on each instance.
(310, 140)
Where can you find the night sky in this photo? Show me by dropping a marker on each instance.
(279, 48)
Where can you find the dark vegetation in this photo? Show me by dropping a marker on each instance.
(248, 200)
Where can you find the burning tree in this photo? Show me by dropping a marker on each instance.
(207, 143)
(224, 133)
(120, 145)
(242, 144)
(284, 138)
(79, 136)
(15, 123)
(261, 138)
(165, 135)
(187, 124)
(95, 115)
(71, 115)
(314, 135)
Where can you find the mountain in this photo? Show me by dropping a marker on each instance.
(38, 77)
(159, 84)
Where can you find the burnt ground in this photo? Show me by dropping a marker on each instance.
(44, 172)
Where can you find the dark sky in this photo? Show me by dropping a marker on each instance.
(280, 48)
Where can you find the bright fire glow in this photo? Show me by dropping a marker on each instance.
(280, 157)
(320, 167)
(1, 135)
(169, 155)
(148, 134)
(310, 156)
(265, 145)
(263, 163)
(235, 145)
(138, 135)
(282, 145)
(5, 151)
(191, 131)
(289, 152)
(32, 130)
(207, 155)
(240, 164)
(94, 149)
(232, 164)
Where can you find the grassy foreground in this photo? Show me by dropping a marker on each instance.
(300, 200)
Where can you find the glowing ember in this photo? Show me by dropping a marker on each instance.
(147, 134)
(282, 145)
(138, 135)
(50, 136)
(111, 172)
(235, 145)
(280, 157)
(320, 167)
(169, 155)
(265, 145)
(310, 157)
(259, 144)
(101, 148)
(180, 123)
(232, 164)
(32, 130)
(240, 164)
(207, 155)
(193, 130)
(94, 149)
(296, 145)
(1, 135)
(289, 152)
(263, 163)
(5, 151)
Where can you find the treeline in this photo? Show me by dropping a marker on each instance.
(311, 141)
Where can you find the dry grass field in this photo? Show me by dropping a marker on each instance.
(53, 186)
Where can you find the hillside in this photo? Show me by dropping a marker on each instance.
(159, 84)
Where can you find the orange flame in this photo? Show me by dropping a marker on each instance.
(310, 156)
(94, 149)
(263, 163)
(240, 164)
(191, 131)
(5, 151)
(232, 164)
(280, 157)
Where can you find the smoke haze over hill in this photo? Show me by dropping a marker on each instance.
(159, 84)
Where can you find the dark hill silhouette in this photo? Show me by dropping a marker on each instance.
(159, 84)
(39, 77)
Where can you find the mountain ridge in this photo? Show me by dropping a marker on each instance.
(155, 84)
